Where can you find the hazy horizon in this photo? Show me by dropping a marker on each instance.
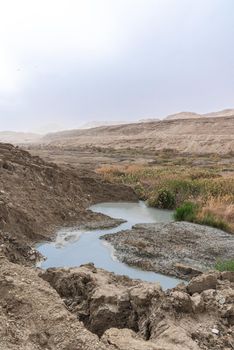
(66, 63)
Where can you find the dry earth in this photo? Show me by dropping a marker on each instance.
(87, 309)
(131, 314)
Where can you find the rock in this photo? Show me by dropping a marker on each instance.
(228, 313)
(33, 257)
(181, 301)
(197, 303)
(215, 331)
(175, 338)
(203, 282)
(227, 275)
(188, 270)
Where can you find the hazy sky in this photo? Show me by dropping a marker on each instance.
(73, 61)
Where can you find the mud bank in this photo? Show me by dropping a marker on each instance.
(88, 309)
(178, 249)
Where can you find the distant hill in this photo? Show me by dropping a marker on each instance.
(192, 115)
(183, 115)
(223, 113)
(18, 137)
(148, 120)
(193, 135)
(184, 132)
(95, 124)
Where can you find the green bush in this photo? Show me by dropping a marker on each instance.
(227, 265)
(186, 212)
(164, 200)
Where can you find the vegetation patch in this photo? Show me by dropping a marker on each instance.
(227, 265)
(201, 195)
(165, 199)
(186, 212)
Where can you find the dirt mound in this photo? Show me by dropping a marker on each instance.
(197, 316)
(36, 196)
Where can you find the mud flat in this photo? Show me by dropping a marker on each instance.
(178, 249)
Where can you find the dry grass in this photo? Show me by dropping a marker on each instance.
(221, 208)
(213, 192)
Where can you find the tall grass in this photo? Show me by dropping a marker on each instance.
(173, 186)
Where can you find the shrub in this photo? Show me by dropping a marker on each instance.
(227, 265)
(186, 212)
(164, 200)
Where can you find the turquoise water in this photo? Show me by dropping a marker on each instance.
(73, 247)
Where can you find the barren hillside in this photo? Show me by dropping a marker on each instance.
(204, 135)
(192, 115)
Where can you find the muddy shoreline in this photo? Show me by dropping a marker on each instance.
(178, 249)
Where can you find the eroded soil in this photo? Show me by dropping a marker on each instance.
(37, 196)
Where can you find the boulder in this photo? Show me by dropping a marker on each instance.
(203, 282)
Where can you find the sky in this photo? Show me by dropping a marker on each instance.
(67, 62)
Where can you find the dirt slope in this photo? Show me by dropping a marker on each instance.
(36, 196)
(34, 317)
(204, 135)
